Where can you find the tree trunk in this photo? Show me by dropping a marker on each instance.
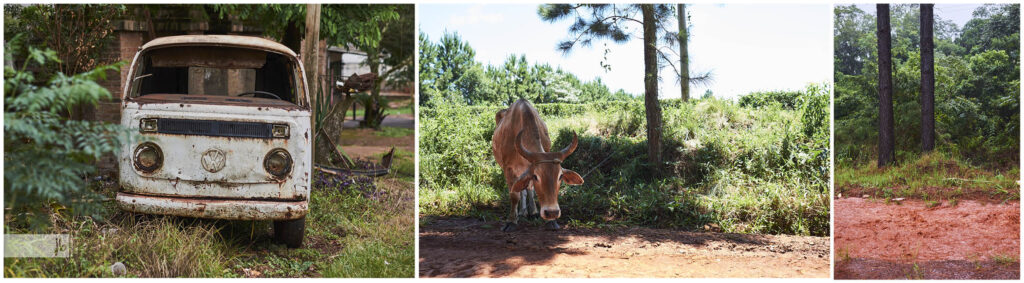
(927, 79)
(651, 87)
(309, 56)
(292, 37)
(886, 135)
(684, 57)
(310, 44)
(372, 114)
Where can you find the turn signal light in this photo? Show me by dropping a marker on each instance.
(147, 125)
(280, 131)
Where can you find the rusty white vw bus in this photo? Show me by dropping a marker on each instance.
(225, 132)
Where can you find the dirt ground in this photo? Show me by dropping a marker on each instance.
(365, 143)
(458, 247)
(971, 240)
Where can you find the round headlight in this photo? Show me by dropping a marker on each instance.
(278, 162)
(148, 157)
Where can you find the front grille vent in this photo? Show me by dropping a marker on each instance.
(215, 128)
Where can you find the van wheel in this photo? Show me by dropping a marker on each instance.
(290, 232)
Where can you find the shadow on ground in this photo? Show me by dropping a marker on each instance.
(461, 247)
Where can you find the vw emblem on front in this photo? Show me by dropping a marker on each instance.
(213, 160)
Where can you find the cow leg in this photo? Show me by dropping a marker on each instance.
(524, 203)
(532, 204)
(514, 216)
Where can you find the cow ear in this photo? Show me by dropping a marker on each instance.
(571, 177)
(522, 182)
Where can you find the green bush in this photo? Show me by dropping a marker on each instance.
(46, 155)
(746, 169)
(784, 99)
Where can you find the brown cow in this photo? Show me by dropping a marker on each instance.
(522, 148)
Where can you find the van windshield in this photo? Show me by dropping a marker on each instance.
(217, 71)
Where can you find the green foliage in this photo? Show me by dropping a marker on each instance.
(449, 73)
(994, 27)
(339, 24)
(398, 42)
(977, 89)
(784, 99)
(620, 23)
(934, 176)
(814, 113)
(46, 155)
(747, 169)
(607, 21)
(78, 33)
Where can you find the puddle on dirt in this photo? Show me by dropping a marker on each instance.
(878, 240)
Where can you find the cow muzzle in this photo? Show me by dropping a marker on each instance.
(550, 213)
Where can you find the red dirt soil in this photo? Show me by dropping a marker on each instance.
(470, 248)
(871, 231)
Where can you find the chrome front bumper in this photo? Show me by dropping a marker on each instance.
(228, 209)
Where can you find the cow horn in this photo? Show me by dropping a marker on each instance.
(571, 148)
(526, 153)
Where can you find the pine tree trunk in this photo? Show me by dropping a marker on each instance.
(886, 135)
(651, 87)
(684, 57)
(927, 79)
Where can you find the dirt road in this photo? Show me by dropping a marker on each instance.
(457, 247)
(971, 240)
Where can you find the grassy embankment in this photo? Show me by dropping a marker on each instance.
(745, 169)
(933, 177)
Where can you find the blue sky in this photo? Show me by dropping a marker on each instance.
(747, 47)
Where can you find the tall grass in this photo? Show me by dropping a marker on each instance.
(935, 176)
(745, 169)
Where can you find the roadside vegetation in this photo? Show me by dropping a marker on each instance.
(759, 165)
(931, 177)
(977, 109)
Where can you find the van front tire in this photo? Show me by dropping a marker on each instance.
(290, 232)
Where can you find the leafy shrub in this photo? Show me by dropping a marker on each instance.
(814, 112)
(747, 169)
(46, 155)
(785, 99)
